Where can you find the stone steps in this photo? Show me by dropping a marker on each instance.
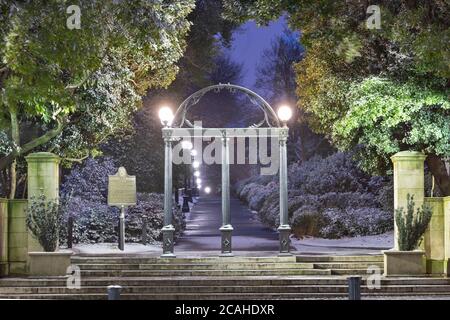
(208, 273)
(152, 260)
(206, 278)
(225, 296)
(347, 265)
(340, 289)
(218, 281)
(323, 259)
(199, 266)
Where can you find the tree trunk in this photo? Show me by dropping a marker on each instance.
(15, 135)
(29, 146)
(440, 173)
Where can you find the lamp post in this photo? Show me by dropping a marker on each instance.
(284, 114)
(166, 116)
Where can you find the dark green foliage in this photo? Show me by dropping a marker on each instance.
(44, 219)
(410, 226)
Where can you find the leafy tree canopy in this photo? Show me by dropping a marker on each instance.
(65, 90)
(381, 90)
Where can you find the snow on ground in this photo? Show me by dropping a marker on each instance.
(112, 248)
(379, 242)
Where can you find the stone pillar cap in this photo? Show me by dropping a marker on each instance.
(408, 155)
(42, 156)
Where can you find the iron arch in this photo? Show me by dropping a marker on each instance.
(270, 117)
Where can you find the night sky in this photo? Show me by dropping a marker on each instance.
(249, 44)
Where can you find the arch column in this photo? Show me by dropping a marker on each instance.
(168, 229)
(284, 229)
(226, 229)
(408, 179)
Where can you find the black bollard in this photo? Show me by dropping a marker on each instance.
(144, 230)
(354, 288)
(114, 292)
(70, 232)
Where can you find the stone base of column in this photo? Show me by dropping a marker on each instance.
(168, 232)
(285, 240)
(226, 232)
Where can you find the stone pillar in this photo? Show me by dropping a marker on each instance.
(43, 179)
(226, 229)
(408, 179)
(19, 238)
(284, 229)
(168, 230)
(4, 266)
(43, 175)
(434, 238)
(446, 210)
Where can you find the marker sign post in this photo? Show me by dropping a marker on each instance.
(121, 193)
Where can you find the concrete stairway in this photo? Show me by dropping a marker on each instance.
(312, 277)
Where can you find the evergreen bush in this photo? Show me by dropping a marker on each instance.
(44, 220)
(410, 226)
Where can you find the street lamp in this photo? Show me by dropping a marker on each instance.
(207, 190)
(166, 116)
(284, 113)
(193, 153)
(197, 174)
(199, 181)
(195, 164)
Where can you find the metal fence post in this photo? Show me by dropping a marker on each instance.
(114, 292)
(354, 288)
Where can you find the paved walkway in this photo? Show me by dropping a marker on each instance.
(203, 223)
(249, 236)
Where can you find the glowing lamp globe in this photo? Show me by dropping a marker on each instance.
(195, 164)
(197, 174)
(193, 153)
(199, 181)
(166, 116)
(207, 190)
(284, 113)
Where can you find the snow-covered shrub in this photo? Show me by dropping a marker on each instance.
(307, 220)
(259, 193)
(336, 173)
(85, 192)
(350, 222)
(329, 197)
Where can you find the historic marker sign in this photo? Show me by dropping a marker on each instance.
(122, 189)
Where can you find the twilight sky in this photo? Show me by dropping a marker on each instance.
(249, 44)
